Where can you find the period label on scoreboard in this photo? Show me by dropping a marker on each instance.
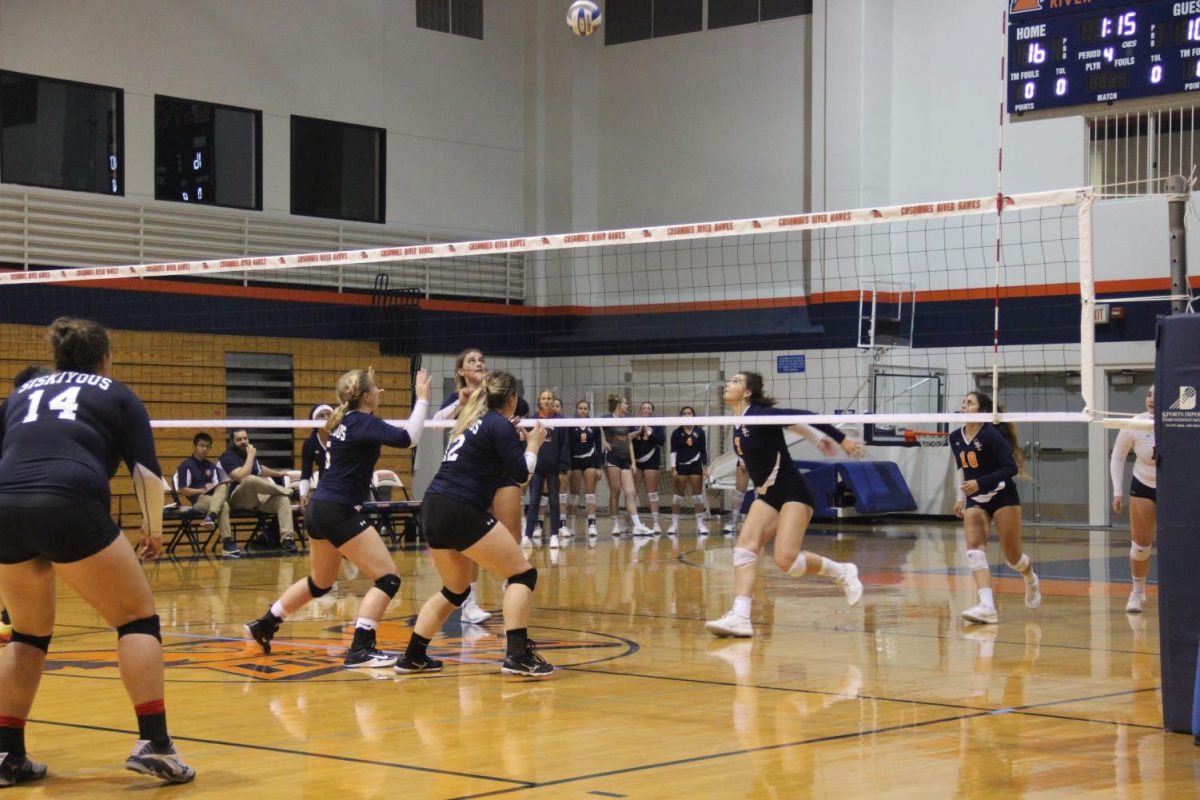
(1065, 53)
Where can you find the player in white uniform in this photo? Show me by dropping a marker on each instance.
(1143, 506)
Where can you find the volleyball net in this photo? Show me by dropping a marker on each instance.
(881, 318)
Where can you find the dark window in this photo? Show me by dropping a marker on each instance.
(727, 13)
(779, 9)
(673, 17)
(460, 17)
(206, 153)
(61, 135)
(627, 21)
(338, 170)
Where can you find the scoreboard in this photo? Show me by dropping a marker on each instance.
(1064, 53)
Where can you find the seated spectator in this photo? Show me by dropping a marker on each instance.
(254, 491)
(199, 480)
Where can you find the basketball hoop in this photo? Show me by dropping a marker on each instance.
(928, 438)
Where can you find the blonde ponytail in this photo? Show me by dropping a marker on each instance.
(350, 389)
(491, 395)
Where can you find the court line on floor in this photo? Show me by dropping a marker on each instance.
(517, 784)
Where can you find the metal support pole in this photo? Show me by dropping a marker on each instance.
(1176, 208)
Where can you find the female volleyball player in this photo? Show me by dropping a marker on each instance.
(314, 454)
(647, 459)
(470, 368)
(485, 452)
(551, 460)
(62, 436)
(988, 458)
(618, 468)
(784, 504)
(587, 457)
(1143, 501)
(335, 522)
(689, 461)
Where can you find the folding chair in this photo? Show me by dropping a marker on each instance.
(384, 505)
(186, 518)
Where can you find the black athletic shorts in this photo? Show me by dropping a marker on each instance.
(694, 468)
(452, 524)
(1139, 489)
(653, 462)
(52, 527)
(789, 487)
(1002, 499)
(333, 522)
(617, 458)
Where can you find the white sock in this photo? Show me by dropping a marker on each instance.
(741, 606)
(1139, 585)
(363, 622)
(700, 518)
(674, 520)
(831, 569)
(277, 609)
(987, 598)
(471, 594)
(636, 520)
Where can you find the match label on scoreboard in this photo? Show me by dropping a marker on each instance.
(785, 364)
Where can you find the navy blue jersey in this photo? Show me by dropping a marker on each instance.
(986, 459)
(480, 460)
(354, 447)
(554, 455)
(646, 445)
(314, 457)
(586, 452)
(521, 411)
(233, 459)
(689, 446)
(66, 433)
(196, 473)
(763, 448)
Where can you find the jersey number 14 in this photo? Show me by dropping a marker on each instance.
(66, 403)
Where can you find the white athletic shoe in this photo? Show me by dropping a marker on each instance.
(592, 532)
(728, 530)
(981, 614)
(565, 533)
(1033, 593)
(526, 541)
(641, 530)
(730, 625)
(554, 541)
(537, 533)
(617, 530)
(701, 529)
(1137, 601)
(472, 613)
(850, 585)
(673, 530)
(657, 529)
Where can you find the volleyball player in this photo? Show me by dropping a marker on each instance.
(587, 457)
(334, 519)
(689, 462)
(485, 452)
(988, 458)
(783, 507)
(551, 459)
(647, 460)
(564, 480)
(618, 468)
(469, 370)
(62, 436)
(314, 453)
(1143, 501)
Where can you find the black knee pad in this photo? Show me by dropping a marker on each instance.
(40, 642)
(456, 598)
(317, 591)
(526, 578)
(388, 584)
(146, 625)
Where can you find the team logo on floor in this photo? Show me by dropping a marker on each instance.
(475, 648)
